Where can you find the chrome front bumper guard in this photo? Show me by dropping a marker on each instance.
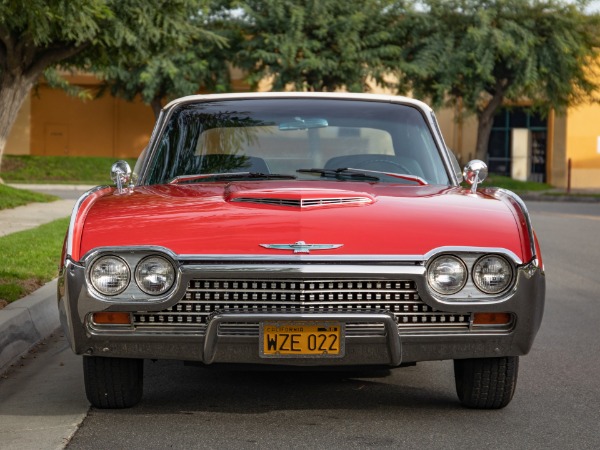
(214, 342)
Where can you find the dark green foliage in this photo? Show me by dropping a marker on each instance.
(483, 53)
(37, 35)
(198, 59)
(317, 45)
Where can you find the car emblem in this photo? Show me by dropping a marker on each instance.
(301, 246)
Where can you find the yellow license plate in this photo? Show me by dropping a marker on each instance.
(301, 339)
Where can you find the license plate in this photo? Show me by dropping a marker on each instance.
(301, 339)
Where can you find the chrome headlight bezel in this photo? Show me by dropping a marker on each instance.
(167, 270)
(447, 259)
(133, 256)
(470, 293)
(125, 276)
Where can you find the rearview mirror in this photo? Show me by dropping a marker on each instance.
(303, 124)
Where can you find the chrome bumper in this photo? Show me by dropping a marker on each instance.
(389, 346)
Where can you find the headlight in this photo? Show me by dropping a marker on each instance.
(492, 274)
(110, 275)
(447, 275)
(155, 275)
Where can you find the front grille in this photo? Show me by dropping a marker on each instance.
(205, 297)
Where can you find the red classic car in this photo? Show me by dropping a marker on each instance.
(295, 230)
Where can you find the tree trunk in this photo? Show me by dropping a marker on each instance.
(486, 120)
(13, 91)
(22, 62)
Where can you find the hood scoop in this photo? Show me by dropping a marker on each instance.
(301, 198)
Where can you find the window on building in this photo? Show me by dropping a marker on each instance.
(499, 144)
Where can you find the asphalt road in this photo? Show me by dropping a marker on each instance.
(556, 404)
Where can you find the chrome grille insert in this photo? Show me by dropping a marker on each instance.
(303, 203)
(205, 297)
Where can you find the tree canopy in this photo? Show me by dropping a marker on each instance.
(41, 34)
(316, 45)
(199, 60)
(484, 53)
(479, 53)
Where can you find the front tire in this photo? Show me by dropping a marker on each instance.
(486, 383)
(113, 382)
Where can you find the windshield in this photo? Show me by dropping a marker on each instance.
(291, 137)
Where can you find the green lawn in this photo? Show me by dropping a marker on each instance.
(30, 258)
(11, 197)
(500, 181)
(57, 169)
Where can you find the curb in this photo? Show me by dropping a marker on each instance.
(560, 198)
(26, 322)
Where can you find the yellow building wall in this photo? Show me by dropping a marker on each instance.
(63, 125)
(460, 133)
(583, 145)
(54, 123)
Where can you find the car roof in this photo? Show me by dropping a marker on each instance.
(306, 95)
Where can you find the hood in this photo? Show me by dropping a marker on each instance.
(365, 218)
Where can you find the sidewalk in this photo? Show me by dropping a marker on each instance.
(33, 215)
(27, 321)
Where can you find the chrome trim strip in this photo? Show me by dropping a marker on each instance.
(483, 250)
(74, 217)
(93, 254)
(284, 270)
(303, 203)
(415, 259)
(237, 258)
(521, 203)
(444, 148)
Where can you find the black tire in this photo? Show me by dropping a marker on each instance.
(486, 383)
(113, 382)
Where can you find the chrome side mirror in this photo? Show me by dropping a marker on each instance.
(120, 173)
(474, 173)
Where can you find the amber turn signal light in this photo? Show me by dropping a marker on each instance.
(491, 318)
(112, 318)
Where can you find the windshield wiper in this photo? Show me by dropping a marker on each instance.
(232, 175)
(363, 173)
(341, 174)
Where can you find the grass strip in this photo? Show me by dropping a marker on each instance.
(11, 197)
(30, 258)
(57, 169)
(500, 181)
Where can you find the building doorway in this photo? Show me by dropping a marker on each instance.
(499, 145)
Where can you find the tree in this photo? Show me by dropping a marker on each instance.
(40, 34)
(316, 45)
(484, 53)
(201, 61)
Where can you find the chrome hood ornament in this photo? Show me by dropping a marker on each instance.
(301, 246)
